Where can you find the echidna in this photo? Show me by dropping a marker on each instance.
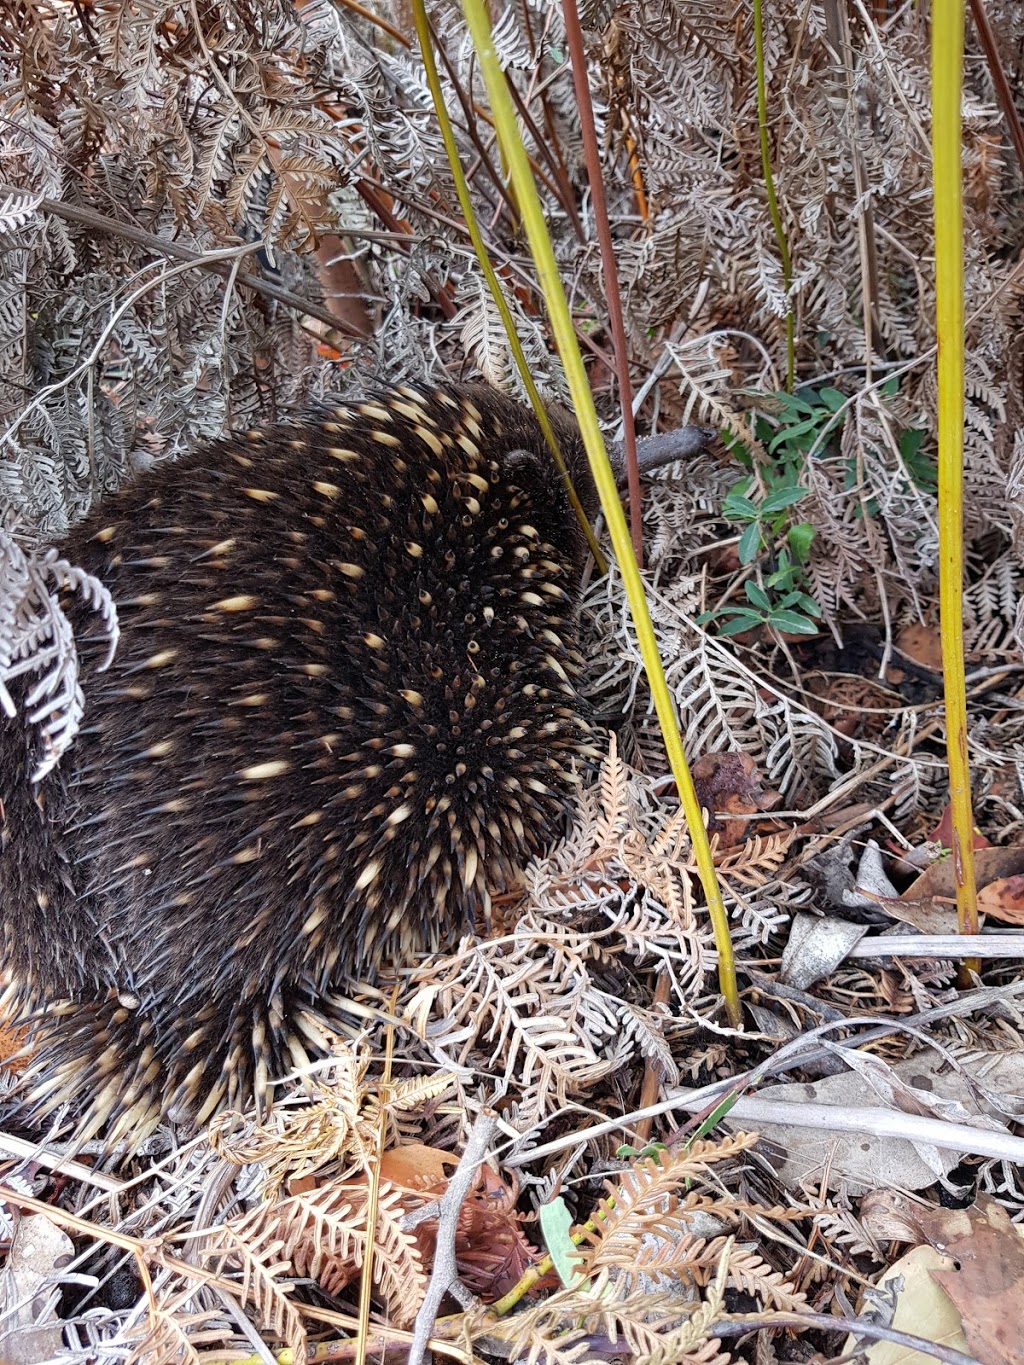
(344, 703)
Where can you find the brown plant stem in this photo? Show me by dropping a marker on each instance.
(101, 222)
(1004, 91)
(592, 155)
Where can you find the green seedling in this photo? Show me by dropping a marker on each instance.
(806, 425)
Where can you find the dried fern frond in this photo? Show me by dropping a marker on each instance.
(651, 1326)
(342, 1123)
(36, 637)
(320, 1234)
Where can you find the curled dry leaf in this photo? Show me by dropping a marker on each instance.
(816, 947)
(929, 902)
(1003, 899)
(491, 1250)
(729, 784)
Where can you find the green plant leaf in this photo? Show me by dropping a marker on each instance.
(655, 1150)
(832, 399)
(742, 620)
(750, 543)
(757, 595)
(796, 598)
(787, 435)
(556, 1225)
(799, 538)
(738, 450)
(792, 622)
(809, 605)
(781, 498)
(782, 579)
(922, 469)
(792, 402)
(763, 429)
(737, 508)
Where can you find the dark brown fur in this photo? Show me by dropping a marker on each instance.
(344, 702)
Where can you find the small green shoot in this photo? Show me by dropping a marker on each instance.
(807, 425)
(653, 1150)
(556, 1225)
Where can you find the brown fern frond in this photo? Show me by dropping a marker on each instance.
(248, 1257)
(748, 1271)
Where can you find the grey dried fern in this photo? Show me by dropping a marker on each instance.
(36, 638)
(262, 124)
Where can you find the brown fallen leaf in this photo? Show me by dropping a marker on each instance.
(922, 1310)
(1004, 899)
(928, 902)
(922, 644)
(987, 1284)
(491, 1249)
(729, 784)
(943, 831)
(415, 1166)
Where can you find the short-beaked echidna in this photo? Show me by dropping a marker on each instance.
(344, 702)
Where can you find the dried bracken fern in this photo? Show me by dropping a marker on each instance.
(650, 1326)
(36, 637)
(342, 1124)
(192, 197)
(248, 1259)
(175, 1332)
(321, 1234)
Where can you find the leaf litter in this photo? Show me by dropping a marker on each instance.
(717, 1196)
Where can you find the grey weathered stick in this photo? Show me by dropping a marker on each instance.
(444, 1274)
(800, 1052)
(940, 945)
(874, 1331)
(100, 222)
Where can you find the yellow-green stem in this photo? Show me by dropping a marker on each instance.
(419, 12)
(773, 203)
(947, 77)
(565, 338)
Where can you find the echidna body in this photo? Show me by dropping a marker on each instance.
(345, 702)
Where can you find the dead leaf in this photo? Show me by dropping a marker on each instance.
(30, 1292)
(889, 1216)
(854, 1162)
(986, 1282)
(1003, 899)
(491, 1250)
(729, 784)
(922, 644)
(863, 1163)
(928, 902)
(816, 947)
(943, 831)
(923, 1309)
(415, 1166)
